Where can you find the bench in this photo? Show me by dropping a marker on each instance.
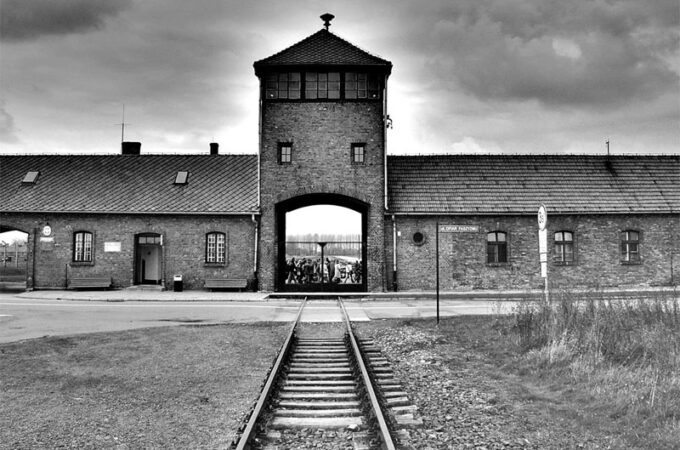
(226, 283)
(90, 283)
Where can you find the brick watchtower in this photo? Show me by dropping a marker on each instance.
(322, 141)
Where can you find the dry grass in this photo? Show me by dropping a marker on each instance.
(175, 387)
(626, 354)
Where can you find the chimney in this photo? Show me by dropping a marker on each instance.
(214, 148)
(131, 148)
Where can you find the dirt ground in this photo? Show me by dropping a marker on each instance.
(175, 387)
(190, 387)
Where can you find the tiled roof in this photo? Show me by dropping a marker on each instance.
(220, 184)
(506, 184)
(323, 48)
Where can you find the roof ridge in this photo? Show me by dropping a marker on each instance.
(289, 47)
(324, 38)
(118, 155)
(539, 155)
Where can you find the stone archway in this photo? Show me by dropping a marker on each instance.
(15, 258)
(330, 264)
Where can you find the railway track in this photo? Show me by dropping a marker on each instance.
(319, 382)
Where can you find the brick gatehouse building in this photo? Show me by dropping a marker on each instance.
(141, 219)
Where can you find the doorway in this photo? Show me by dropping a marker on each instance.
(322, 244)
(148, 258)
(13, 259)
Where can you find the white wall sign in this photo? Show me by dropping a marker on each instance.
(111, 246)
(459, 228)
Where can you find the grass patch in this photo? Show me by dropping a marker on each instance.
(625, 353)
(582, 374)
(175, 387)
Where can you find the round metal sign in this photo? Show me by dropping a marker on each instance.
(542, 217)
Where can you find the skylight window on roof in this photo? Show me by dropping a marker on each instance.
(181, 177)
(31, 177)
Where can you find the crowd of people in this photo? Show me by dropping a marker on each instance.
(309, 270)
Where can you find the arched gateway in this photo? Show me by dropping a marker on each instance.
(321, 243)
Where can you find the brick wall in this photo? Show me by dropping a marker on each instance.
(598, 264)
(183, 247)
(322, 134)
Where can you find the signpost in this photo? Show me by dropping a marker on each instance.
(543, 246)
(449, 228)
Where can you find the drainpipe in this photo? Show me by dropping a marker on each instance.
(384, 130)
(35, 247)
(394, 253)
(259, 153)
(257, 229)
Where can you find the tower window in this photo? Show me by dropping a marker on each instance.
(320, 85)
(361, 86)
(358, 153)
(283, 85)
(285, 153)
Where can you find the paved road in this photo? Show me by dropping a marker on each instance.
(24, 318)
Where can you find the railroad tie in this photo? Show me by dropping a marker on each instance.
(319, 390)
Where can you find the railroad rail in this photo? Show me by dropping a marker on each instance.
(318, 382)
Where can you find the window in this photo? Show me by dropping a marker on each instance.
(282, 85)
(358, 153)
(149, 240)
(418, 238)
(181, 177)
(322, 85)
(564, 247)
(630, 247)
(82, 246)
(496, 247)
(361, 85)
(285, 152)
(215, 248)
(31, 177)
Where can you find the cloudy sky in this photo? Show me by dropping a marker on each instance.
(470, 76)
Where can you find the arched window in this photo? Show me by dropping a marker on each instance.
(564, 247)
(496, 247)
(630, 247)
(215, 248)
(82, 246)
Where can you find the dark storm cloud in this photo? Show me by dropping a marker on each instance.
(31, 19)
(592, 53)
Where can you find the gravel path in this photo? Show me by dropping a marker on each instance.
(461, 404)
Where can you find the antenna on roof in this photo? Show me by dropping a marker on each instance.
(327, 19)
(607, 142)
(122, 126)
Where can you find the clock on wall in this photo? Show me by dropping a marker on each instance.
(47, 230)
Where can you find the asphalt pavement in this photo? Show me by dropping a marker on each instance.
(35, 314)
